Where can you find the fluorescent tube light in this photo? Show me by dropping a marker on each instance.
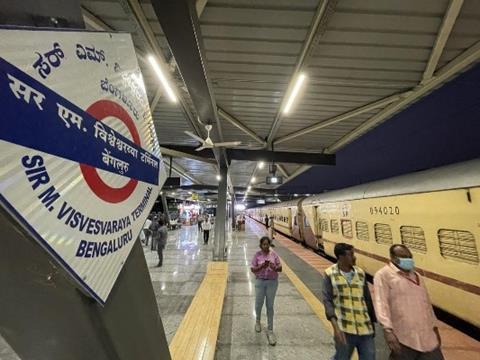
(294, 93)
(162, 78)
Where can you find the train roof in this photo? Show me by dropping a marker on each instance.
(288, 203)
(457, 176)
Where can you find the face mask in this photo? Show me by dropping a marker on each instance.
(406, 264)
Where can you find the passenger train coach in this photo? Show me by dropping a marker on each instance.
(436, 213)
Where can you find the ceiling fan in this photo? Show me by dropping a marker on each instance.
(208, 143)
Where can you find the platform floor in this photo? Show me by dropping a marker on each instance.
(176, 282)
(301, 332)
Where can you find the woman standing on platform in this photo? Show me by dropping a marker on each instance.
(266, 266)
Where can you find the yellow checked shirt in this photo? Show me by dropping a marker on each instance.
(350, 304)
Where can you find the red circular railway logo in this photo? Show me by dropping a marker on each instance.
(101, 110)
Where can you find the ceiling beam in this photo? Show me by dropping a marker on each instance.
(317, 27)
(182, 172)
(135, 12)
(235, 122)
(455, 66)
(179, 154)
(281, 157)
(448, 22)
(345, 116)
(179, 22)
(94, 21)
(263, 155)
(282, 170)
(297, 172)
(156, 99)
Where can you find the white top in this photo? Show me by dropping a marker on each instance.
(147, 224)
(206, 225)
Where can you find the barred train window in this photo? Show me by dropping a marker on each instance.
(334, 225)
(414, 238)
(362, 230)
(324, 224)
(383, 234)
(347, 228)
(458, 245)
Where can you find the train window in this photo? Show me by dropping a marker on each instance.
(383, 234)
(334, 225)
(361, 228)
(458, 245)
(414, 238)
(307, 224)
(324, 224)
(295, 220)
(347, 228)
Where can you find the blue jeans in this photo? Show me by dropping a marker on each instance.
(365, 347)
(265, 289)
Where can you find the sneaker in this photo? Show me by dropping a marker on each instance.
(272, 339)
(258, 326)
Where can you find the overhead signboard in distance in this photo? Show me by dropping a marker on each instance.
(81, 164)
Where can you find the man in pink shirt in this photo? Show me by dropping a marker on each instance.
(403, 308)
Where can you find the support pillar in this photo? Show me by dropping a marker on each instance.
(165, 208)
(233, 211)
(221, 218)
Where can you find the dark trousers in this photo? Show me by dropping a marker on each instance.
(407, 353)
(206, 234)
(160, 255)
(364, 344)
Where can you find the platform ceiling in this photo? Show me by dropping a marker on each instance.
(366, 63)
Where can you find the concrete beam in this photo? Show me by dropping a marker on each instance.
(235, 122)
(454, 67)
(345, 116)
(448, 22)
(179, 154)
(318, 26)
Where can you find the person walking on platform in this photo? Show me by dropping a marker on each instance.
(199, 222)
(162, 240)
(266, 221)
(154, 226)
(404, 309)
(266, 266)
(349, 306)
(146, 230)
(206, 227)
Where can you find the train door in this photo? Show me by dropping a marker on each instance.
(319, 227)
(307, 231)
(289, 220)
(308, 235)
(295, 225)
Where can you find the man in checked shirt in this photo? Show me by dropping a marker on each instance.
(404, 310)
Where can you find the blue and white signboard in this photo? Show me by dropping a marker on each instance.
(80, 161)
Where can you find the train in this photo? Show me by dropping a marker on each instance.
(436, 213)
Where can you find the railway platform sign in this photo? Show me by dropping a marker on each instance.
(81, 164)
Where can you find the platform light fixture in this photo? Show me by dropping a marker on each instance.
(219, 177)
(249, 188)
(162, 78)
(294, 93)
(261, 164)
(253, 179)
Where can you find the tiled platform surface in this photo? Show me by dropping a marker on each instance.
(300, 334)
(185, 260)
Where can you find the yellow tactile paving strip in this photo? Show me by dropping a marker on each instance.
(197, 334)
